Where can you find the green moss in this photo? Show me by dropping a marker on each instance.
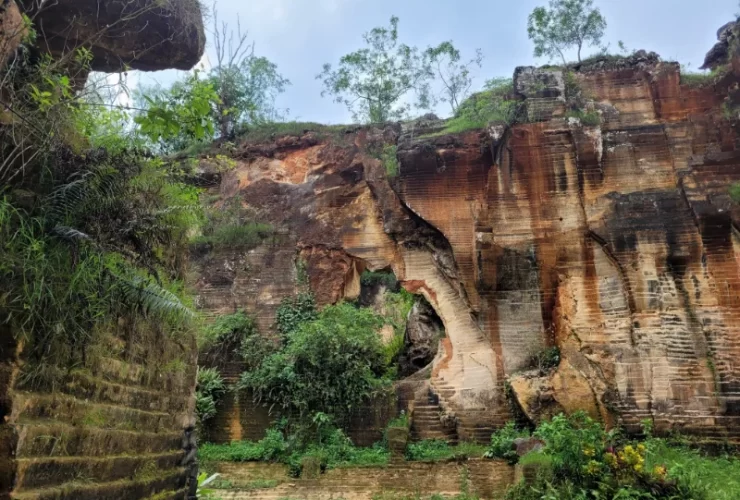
(270, 131)
(587, 118)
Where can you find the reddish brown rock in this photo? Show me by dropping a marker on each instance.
(614, 242)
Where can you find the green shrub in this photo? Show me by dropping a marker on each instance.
(587, 118)
(232, 226)
(489, 106)
(294, 312)
(581, 460)
(273, 447)
(332, 364)
(209, 390)
(228, 329)
(502, 443)
(382, 278)
(390, 160)
(546, 360)
(735, 193)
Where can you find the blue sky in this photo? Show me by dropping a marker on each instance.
(301, 35)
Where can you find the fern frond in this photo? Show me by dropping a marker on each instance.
(153, 299)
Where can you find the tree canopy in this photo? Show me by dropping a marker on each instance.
(374, 82)
(566, 24)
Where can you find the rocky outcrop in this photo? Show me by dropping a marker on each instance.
(614, 241)
(122, 34)
(12, 29)
(719, 55)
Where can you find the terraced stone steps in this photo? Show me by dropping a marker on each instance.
(46, 438)
(131, 489)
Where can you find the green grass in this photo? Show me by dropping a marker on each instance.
(269, 131)
(434, 450)
(246, 236)
(718, 477)
(695, 79)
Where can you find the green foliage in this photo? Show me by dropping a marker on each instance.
(389, 157)
(587, 118)
(247, 90)
(397, 308)
(332, 364)
(502, 443)
(402, 421)
(229, 328)
(490, 106)
(696, 79)
(715, 478)
(180, 115)
(435, 450)
(373, 82)
(231, 226)
(379, 278)
(294, 312)
(332, 448)
(268, 131)
(566, 24)
(582, 461)
(454, 73)
(98, 246)
(209, 390)
(735, 193)
(546, 359)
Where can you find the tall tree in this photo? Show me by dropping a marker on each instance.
(566, 24)
(247, 85)
(454, 73)
(373, 82)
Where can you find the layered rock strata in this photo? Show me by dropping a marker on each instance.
(615, 242)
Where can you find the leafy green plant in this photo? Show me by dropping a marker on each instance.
(294, 312)
(332, 364)
(492, 105)
(502, 443)
(373, 81)
(566, 24)
(389, 157)
(453, 72)
(179, 116)
(231, 226)
(587, 118)
(229, 328)
(209, 390)
(379, 278)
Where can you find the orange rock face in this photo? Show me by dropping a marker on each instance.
(616, 243)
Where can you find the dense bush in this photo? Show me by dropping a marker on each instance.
(295, 311)
(581, 460)
(332, 364)
(209, 390)
(232, 226)
(502, 443)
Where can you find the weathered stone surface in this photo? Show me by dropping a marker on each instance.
(616, 243)
(12, 29)
(139, 34)
(719, 55)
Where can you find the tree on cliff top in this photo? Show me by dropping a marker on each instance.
(372, 82)
(566, 24)
(454, 72)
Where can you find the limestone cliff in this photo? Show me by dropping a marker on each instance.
(616, 242)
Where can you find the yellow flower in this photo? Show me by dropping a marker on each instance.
(589, 452)
(638, 467)
(660, 471)
(641, 448)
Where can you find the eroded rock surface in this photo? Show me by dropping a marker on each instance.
(615, 242)
(140, 34)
